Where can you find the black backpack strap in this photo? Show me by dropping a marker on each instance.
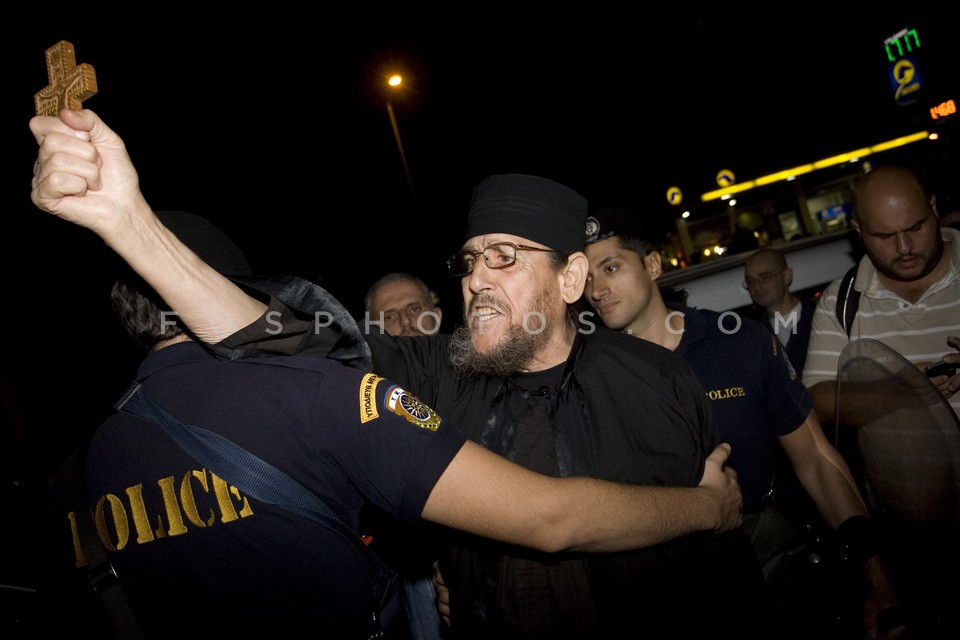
(100, 570)
(848, 300)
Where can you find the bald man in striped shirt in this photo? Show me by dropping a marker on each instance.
(909, 284)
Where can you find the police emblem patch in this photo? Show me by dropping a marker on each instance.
(400, 402)
(593, 229)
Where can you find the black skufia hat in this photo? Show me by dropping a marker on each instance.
(534, 208)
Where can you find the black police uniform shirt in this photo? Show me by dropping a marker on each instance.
(194, 554)
(755, 394)
(620, 409)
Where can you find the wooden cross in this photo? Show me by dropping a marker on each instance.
(70, 84)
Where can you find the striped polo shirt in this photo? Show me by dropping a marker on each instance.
(917, 331)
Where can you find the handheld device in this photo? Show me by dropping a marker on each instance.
(943, 369)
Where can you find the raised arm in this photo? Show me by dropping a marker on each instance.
(485, 494)
(84, 175)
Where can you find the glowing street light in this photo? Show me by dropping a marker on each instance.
(394, 82)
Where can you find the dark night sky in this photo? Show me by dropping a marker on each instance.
(274, 126)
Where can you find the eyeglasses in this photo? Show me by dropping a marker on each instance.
(763, 278)
(496, 256)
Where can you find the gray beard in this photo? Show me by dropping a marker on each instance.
(511, 355)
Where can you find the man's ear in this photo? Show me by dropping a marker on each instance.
(573, 277)
(788, 277)
(653, 261)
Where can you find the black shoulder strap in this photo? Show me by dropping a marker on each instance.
(848, 300)
(100, 571)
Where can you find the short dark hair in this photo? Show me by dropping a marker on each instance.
(142, 313)
(640, 245)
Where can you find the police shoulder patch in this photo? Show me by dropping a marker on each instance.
(368, 398)
(402, 403)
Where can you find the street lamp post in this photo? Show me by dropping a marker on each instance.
(394, 82)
